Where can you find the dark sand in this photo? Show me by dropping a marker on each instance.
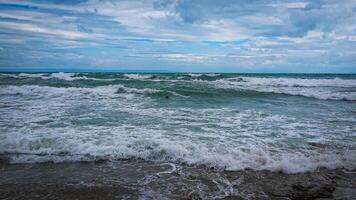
(139, 179)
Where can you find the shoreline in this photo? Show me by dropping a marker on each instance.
(139, 179)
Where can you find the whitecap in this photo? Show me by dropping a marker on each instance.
(138, 76)
(324, 89)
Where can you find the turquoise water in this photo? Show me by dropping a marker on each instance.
(293, 123)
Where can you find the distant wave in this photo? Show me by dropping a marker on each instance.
(108, 91)
(202, 75)
(59, 76)
(185, 85)
(138, 76)
(324, 89)
(292, 82)
(147, 91)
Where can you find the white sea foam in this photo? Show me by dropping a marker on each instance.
(145, 91)
(212, 75)
(108, 91)
(322, 88)
(294, 82)
(46, 91)
(8, 75)
(138, 76)
(59, 75)
(207, 74)
(37, 75)
(150, 144)
(195, 75)
(67, 76)
(325, 89)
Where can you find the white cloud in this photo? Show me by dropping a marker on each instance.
(184, 57)
(291, 5)
(44, 30)
(223, 30)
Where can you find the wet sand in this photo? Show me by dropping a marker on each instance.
(137, 179)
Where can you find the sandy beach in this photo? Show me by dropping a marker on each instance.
(138, 179)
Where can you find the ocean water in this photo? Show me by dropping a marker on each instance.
(276, 122)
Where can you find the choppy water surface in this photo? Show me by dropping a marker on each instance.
(293, 123)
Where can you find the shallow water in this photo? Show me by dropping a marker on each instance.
(289, 123)
(138, 179)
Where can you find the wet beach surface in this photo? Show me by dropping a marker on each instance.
(138, 179)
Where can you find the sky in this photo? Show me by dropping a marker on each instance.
(315, 36)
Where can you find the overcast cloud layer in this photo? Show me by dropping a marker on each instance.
(179, 35)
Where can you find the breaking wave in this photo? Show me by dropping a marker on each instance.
(58, 75)
(229, 123)
(324, 89)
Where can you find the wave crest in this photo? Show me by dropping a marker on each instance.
(324, 89)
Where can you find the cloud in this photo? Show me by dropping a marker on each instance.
(184, 57)
(174, 33)
(44, 30)
(291, 5)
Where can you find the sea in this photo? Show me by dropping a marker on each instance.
(278, 122)
(177, 135)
